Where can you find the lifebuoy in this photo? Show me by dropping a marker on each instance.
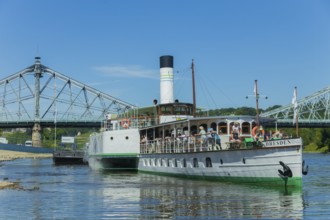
(254, 131)
(125, 123)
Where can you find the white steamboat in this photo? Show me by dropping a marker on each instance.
(169, 139)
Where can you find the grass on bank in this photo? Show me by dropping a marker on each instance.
(313, 148)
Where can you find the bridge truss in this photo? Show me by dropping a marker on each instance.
(40, 94)
(313, 111)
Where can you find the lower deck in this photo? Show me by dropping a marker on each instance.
(258, 165)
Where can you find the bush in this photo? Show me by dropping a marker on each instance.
(312, 147)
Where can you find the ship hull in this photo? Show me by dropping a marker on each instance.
(114, 150)
(264, 166)
(114, 162)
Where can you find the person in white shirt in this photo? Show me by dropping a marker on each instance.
(236, 130)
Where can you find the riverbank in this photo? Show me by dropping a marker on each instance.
(6, 155)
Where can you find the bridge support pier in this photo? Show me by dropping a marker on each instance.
(36, 134)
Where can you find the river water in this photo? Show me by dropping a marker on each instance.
(77, 192)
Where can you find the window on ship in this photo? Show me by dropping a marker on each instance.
(214, 126)
(245, 128)
(222, 126)
(175, 163)
(195, 162)
(184, 162)
(166, 110)
(208, 162)
(193, 130)
(180, 110)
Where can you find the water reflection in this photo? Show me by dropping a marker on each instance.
(152, 196)
(172, 197)
(76, 192)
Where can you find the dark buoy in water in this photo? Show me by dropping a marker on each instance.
(304, 169)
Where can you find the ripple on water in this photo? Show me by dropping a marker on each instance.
(76, 192)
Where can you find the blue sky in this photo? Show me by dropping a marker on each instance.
(114, 46)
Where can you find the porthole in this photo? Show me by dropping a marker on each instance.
(111, 138)
(221, 161)
(208, 162)
(184, 163)
(175, 163)
(195, 162)
(126, 138)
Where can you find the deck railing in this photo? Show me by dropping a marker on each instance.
(179, 145)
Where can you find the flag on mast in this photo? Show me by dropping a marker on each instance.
(255, 88)
(295, 105)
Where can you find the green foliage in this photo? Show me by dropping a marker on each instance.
(310, 147)
(17, 137)
(314, 148)
(245, 111)
(232, 111)
(273, 107)
(48, 136)
(318, 138)
(238, 111)
(82, 136)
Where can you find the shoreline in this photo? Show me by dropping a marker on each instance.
(7, 155)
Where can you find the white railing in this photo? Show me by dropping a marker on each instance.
(179, 145)
(117, 124)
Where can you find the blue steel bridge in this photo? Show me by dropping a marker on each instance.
(312, 111)
(43, 96)
(39, 94)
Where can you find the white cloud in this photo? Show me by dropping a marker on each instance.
(127, 71)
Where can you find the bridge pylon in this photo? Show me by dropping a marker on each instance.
(36, 135)
(36, 130)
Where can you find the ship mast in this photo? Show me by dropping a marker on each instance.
(257, 101)
(193, 87)
(295, 109)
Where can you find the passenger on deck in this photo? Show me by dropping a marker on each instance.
(267, 135)
(183, 137)
(191, 139)
(143, 139)
(259, 135)
(179, 135)
(209, 133)
(236, 130)
(202, 134)
(277, 135)
(216, 137)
